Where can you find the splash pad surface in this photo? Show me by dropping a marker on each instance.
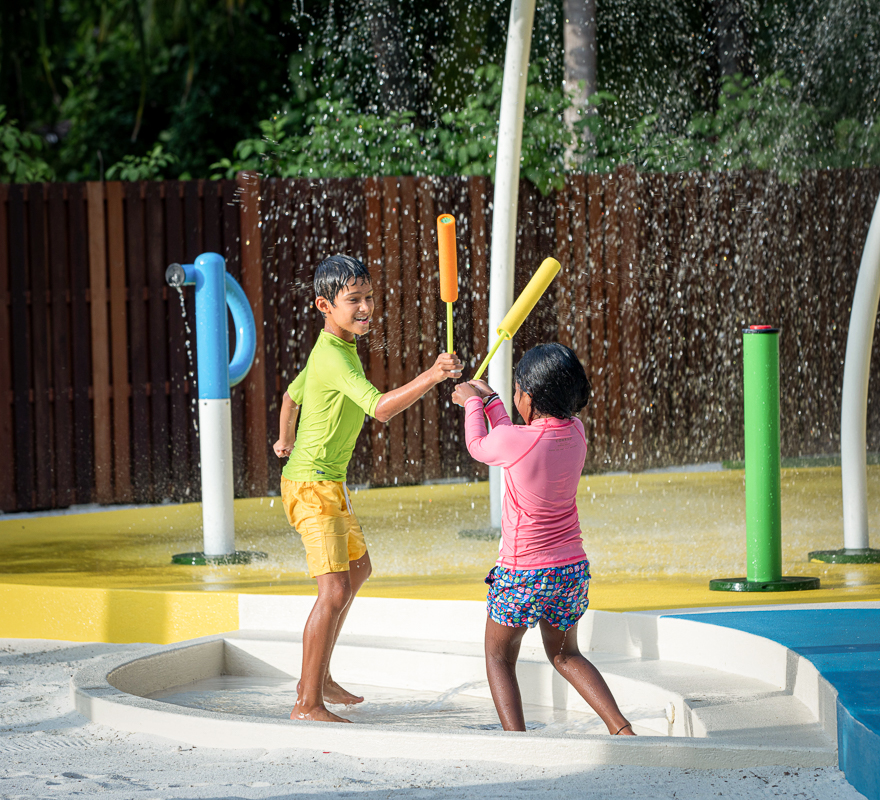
(654, 541)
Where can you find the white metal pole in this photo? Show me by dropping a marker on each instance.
(215, 449)
(854, 402)
(513, 100)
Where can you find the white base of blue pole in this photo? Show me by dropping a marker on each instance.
(215, 447)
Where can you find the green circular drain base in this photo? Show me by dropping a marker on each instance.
(848, 555)
(486, 534)
(200, 559)
(745, 585)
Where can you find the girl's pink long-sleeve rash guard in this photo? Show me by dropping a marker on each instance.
(542, 464)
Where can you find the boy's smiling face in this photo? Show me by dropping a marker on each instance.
(349, 315)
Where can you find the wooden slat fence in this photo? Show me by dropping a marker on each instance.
(660, 274)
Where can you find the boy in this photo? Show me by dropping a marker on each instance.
(334, 395)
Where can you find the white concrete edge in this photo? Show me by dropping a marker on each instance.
(718, 647)
(644, 635)
(450, 622)
(843, 604)
(103, 703)
(443, 620)
(747, 654)
(419, 665)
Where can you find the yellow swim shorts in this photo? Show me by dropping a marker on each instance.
(322, 515)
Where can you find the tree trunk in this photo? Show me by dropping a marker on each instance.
(730, 31)
(579, 42)
(389, 49)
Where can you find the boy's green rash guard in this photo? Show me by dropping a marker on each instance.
(334, 394)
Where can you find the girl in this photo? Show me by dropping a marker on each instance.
(542, 574)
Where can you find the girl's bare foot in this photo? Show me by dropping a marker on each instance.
(315, 714)
(626, 730)
(334, 693)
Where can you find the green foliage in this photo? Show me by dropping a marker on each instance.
(114, 74)
(467, 143)
(343, 142)
(272, 153)
(151, 167)
(340, 143)
(98, 82)
(827, 48)
(757, 125)
(856, 144)
(19, 159)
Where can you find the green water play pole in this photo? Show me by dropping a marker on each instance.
(763, 470)
(763, 475)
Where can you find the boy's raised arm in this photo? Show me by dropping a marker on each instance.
(286, 427)
(391, 403)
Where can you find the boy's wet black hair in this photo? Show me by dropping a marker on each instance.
(335, 272)
(555, 379)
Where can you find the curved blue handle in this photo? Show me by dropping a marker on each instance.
(217, 290)
(245, 331)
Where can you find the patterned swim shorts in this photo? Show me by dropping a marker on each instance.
(519, 597)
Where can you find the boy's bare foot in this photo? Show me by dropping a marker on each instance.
(334, 693)
(315, 714)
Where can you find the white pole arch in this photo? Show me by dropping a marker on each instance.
(854, 408)
(854, 402)
(503, 260)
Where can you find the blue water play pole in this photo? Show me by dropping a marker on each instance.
(217, 290)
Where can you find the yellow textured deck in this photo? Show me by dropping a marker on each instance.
(654, 542)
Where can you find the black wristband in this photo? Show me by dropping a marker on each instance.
(489, 399)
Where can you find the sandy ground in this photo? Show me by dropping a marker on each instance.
(47, 750)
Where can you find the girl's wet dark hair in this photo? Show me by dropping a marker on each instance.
(554, 378)
(335, 272)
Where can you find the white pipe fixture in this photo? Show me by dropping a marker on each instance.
(854, 402)
(215, 449)
(507, 159)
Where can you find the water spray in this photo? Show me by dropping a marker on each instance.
(448, 256)
(217, 290)
(763, 470)
(523, 306)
